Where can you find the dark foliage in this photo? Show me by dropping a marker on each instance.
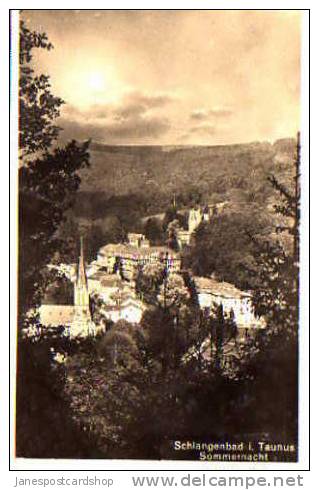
(223, 247)
(44, 424)
(153, 231)
(46, 188)
(271, 360)
(37, 106)
(48, 180)
(145, 386)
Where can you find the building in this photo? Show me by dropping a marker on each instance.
(212, 292)
(195, 218)
(108, 286)
(138, 240)
(128, 308)
(75, 318)
(118, 295)
(127, 258)
(56, 315)
(184, 236)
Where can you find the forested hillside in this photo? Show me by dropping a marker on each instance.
(152, 174)
(126, 183)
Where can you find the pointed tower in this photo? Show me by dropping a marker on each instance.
(194, 219)
(82, 316)
(174, 201)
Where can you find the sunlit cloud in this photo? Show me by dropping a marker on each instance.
(212, 77)
(218, 112)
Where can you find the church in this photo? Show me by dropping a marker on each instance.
(76, 318)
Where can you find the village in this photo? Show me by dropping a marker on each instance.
(111, 278)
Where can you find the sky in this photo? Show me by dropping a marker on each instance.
(173, 77)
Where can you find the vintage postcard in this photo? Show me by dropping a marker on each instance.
(160, 195)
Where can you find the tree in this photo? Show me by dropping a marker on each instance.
(113, 229)
(153, 231)
(148, 280)
(69, 236)
(44, 423)
(46, 187)
(277, 260)
(223, 246)
(97, 306)
(38, 107)
(271, 358)
(130, 395)
(173, 293)
(60, 292)
(144, 386)
(223, 330)
(172, 230)
(95, 238)
(117, 346)
(48, 179)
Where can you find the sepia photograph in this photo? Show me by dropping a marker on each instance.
(159, 188)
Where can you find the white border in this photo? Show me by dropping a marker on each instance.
(80, 465)
(13, 221)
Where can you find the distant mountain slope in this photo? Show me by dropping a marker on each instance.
(144, 178)
(148, 169)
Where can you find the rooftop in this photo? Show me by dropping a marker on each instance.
(135, 235)
(112, 281)
(56, 314)
(127, 249)
(98, 275)
(219, 288)
(129, 302)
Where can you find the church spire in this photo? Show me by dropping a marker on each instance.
(81, 267)
(174, 200)
(82, 314)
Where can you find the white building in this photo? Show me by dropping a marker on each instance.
(212, 292)
(129, 309)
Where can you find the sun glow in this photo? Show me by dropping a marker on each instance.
(96, 81)
(84, 86)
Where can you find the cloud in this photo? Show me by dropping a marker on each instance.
(148, 101)
(220, 113)
(129, 111)
(133, 119)
(132, 105)
(216, 113)
(205, 129)
(248, 61)
(136, 104)
(129, 131)
(137, 129)
(198, 115)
